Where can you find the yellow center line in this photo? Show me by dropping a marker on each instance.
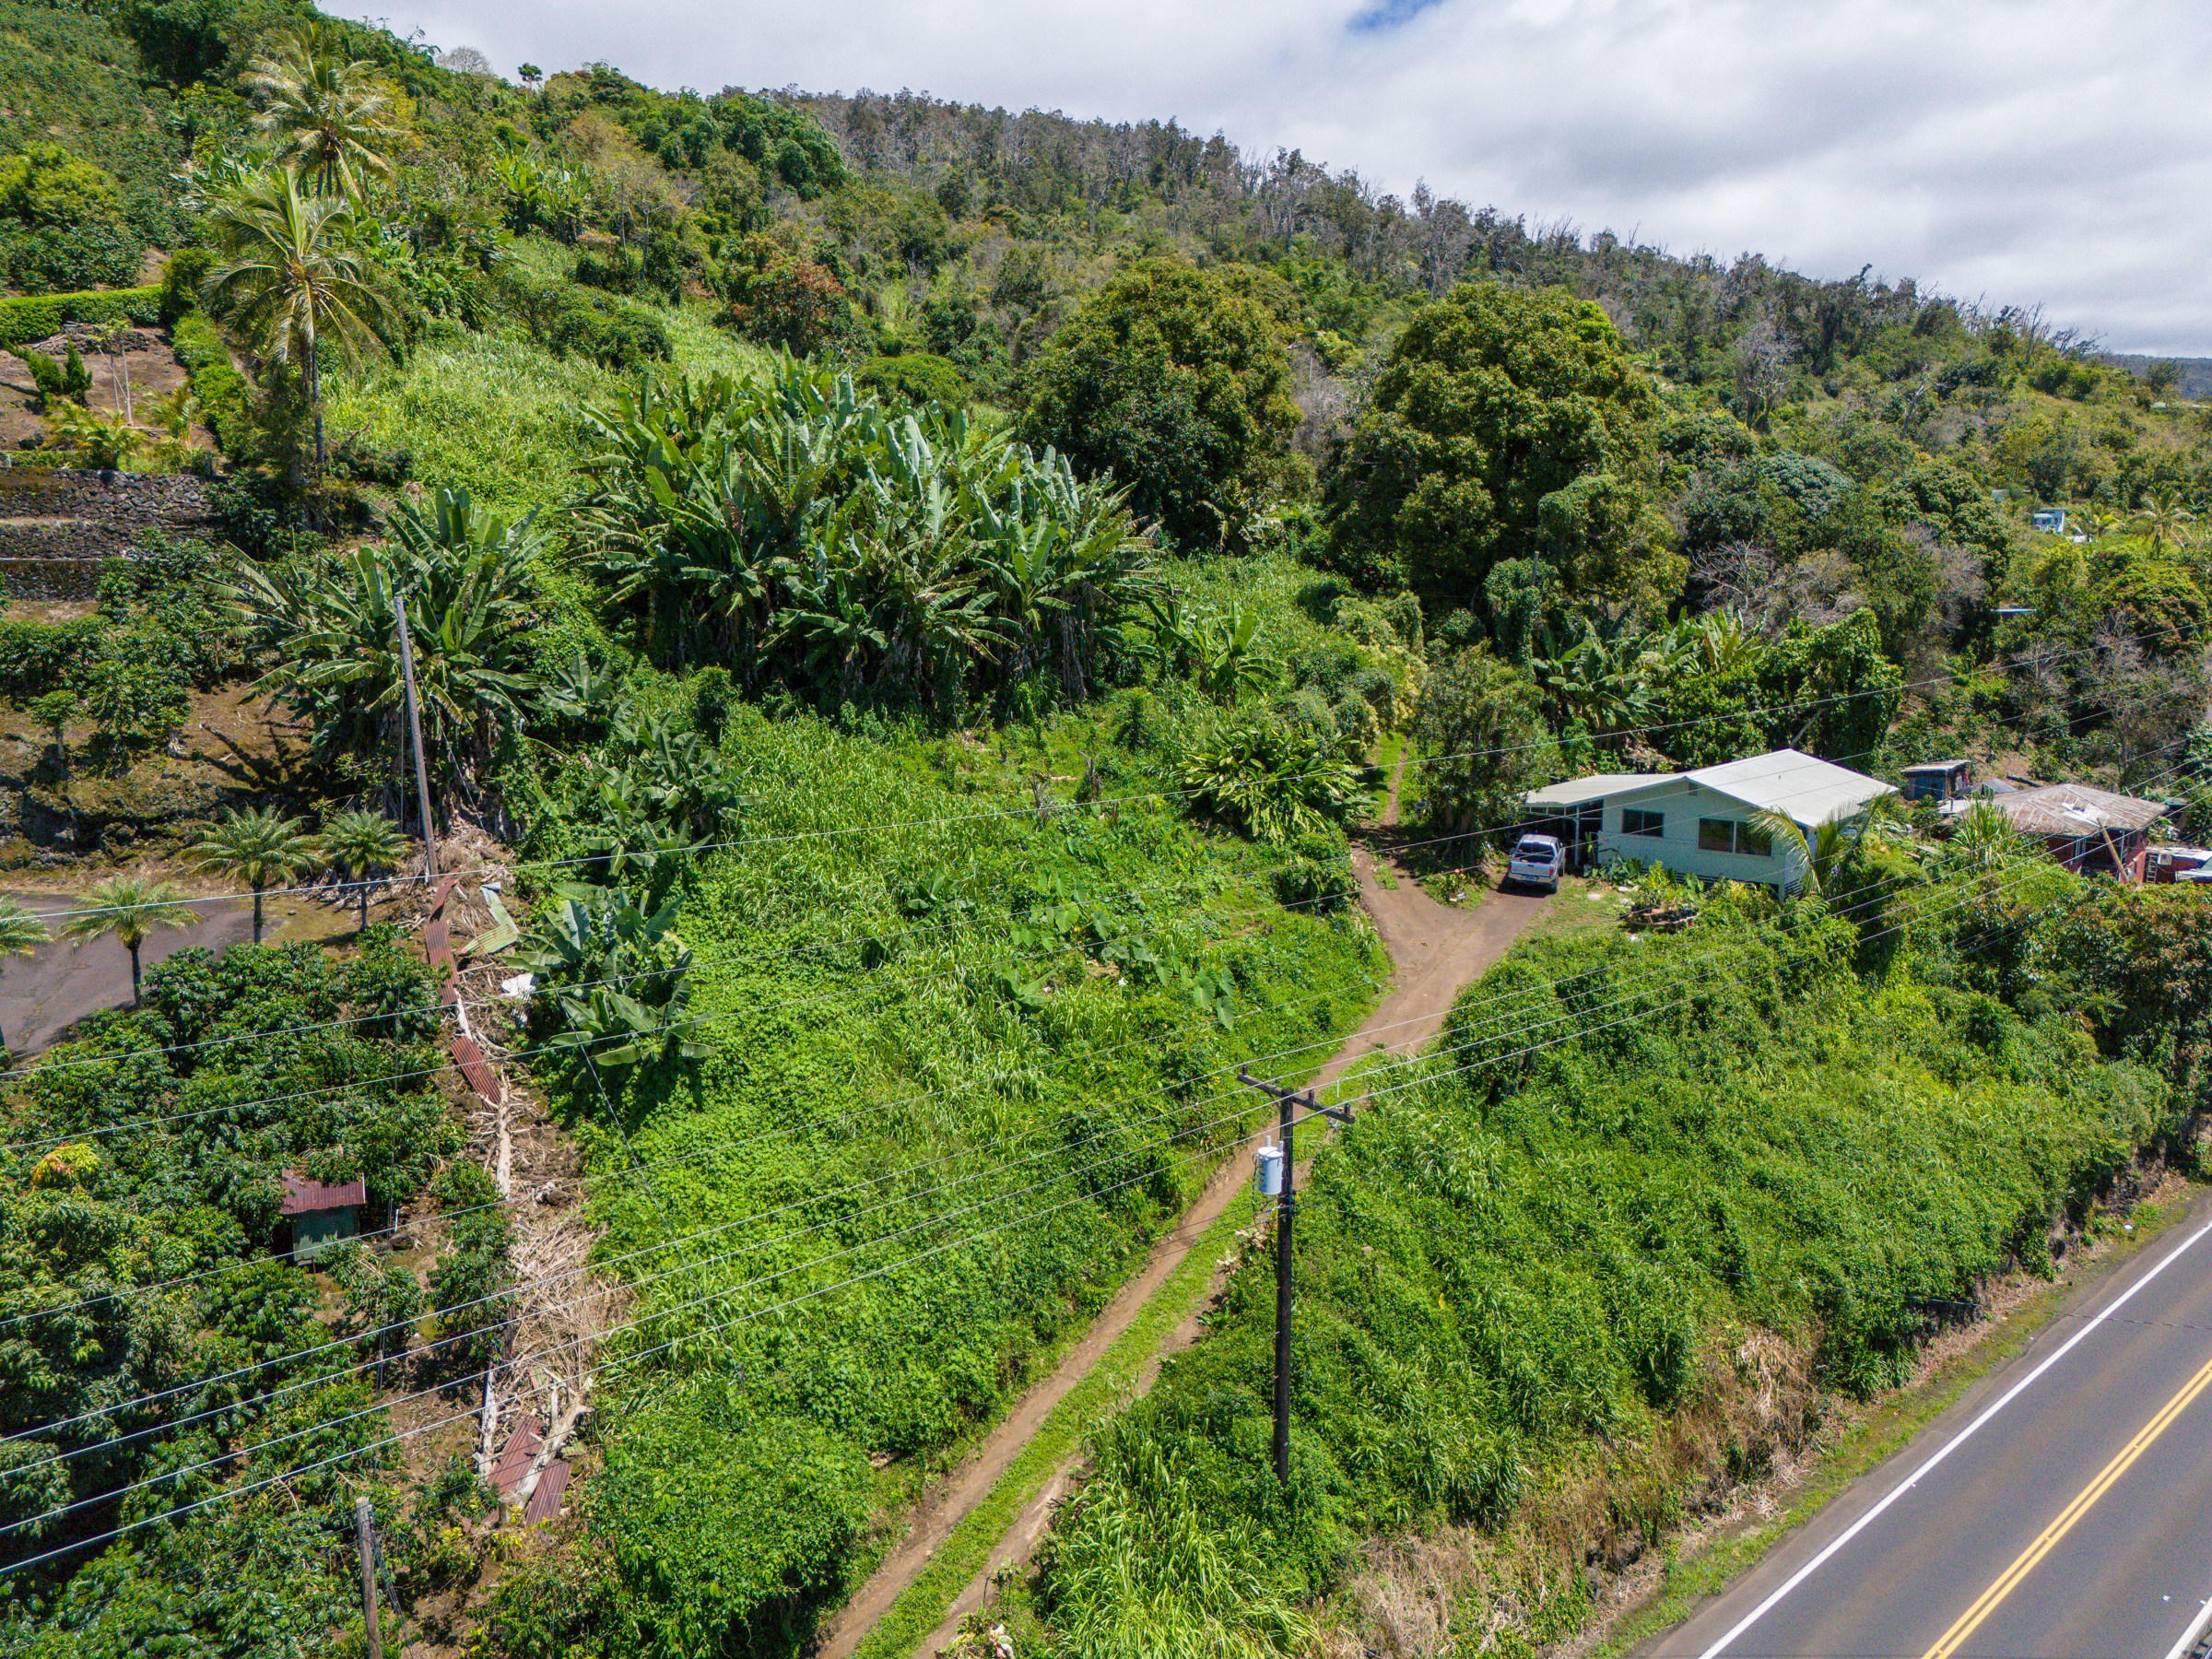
(1969, 1620)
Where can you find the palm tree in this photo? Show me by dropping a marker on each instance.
(2163, 519)
(289, 284)
(130, 907)
(21, 932)
(362, 842)
(1836, 847)
(258, 848)
(332, 115)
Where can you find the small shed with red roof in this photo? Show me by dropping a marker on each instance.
(321, 1213)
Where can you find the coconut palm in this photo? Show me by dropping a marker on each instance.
(21, 932)
(2163, 519)
(132, 908)
(290, 286)
(362, 844)
(331, 115)
(258, 848)
(1839, 847)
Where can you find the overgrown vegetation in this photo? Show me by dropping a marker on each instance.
(924, 590)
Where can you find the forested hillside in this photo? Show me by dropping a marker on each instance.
(912, 607)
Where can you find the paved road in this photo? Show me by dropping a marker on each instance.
(43, 995)
(2061, 1509)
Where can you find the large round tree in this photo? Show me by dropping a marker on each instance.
(1175, 382)
(1506, 425)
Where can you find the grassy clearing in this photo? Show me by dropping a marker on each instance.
(933, 1133)
(497, 414)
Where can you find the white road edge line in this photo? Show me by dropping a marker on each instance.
(1950, 1446)
(2189, 1636)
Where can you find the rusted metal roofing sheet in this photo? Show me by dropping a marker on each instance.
(300, 1195)
(545, 1497)
(514, 1461)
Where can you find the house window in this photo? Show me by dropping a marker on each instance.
(1728, 835)
(1633, 822)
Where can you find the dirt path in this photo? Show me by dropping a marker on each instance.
(1435, 949)
(61, 983)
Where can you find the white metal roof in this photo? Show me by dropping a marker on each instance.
(1811, 791)
(1573, 792)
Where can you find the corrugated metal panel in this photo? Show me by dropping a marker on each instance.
(2077, 809)
(515, 1462)
(547, 1495)
(300, 1195)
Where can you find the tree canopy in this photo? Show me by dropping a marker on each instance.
(1507, 424)
(1175, 382)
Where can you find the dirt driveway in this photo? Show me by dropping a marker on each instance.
(43, 995)
(1435, 951)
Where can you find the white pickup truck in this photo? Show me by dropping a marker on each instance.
(1536, 861)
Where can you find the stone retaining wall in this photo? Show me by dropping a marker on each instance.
(57, 524)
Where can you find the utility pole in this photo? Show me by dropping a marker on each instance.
(363, 1539)
(1278, 1181)
(422, 771)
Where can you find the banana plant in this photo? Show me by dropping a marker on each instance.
(614, 978)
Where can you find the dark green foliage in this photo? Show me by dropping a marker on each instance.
(914, 377)
(180, 279)
(586, 323)
(1507, 424)
(1828, 692)
(1482, 721)
(464, 1286)
(45, 374)
(1175, 385)
(36, 317)
(256, 1077)
(36, 657)
(226, 398)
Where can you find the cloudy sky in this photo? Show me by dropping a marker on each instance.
(2057, 151)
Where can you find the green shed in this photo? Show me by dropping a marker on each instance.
(321, 1213)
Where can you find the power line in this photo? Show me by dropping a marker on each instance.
(1671, 969)
(1876, 898)
(663, 1313)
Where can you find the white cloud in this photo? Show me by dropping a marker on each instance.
(2025, 150)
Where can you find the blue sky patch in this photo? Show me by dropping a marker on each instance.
(1387, 14)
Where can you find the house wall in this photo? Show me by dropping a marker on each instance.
(1684, 804)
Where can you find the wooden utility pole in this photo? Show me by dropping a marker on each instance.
(368, 1547)
(422, 771)
(1288, 1102)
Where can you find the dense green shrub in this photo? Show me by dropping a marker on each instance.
(36, 657)
(914, 377)
(586, 323)
(225, 397)
(35, 317)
